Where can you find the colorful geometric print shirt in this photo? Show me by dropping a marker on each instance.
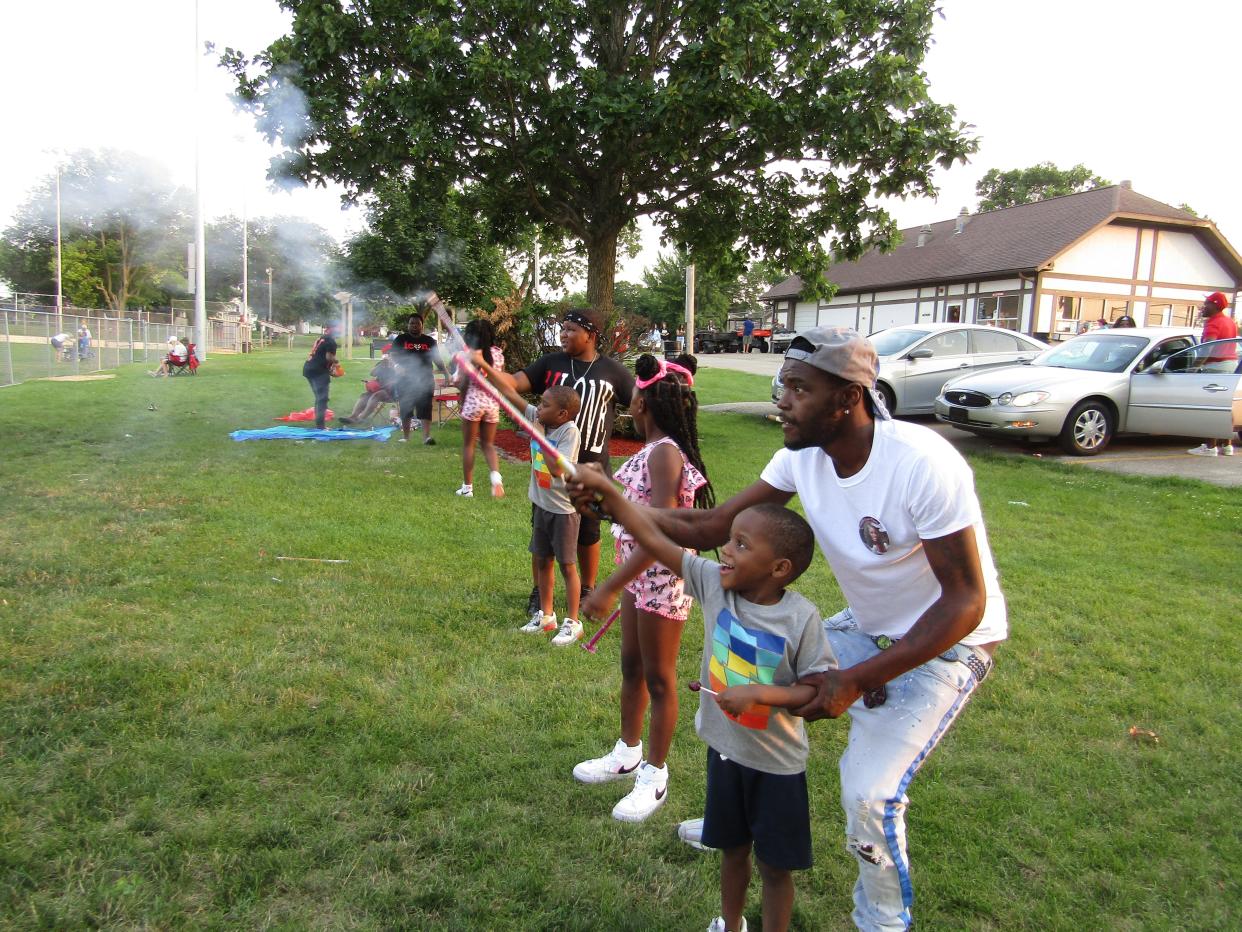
(548, 491)
(747, 643)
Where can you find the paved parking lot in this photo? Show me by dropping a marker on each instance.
(1134, 456)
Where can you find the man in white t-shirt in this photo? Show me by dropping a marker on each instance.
(894, 511)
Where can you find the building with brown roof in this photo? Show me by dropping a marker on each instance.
(1042, 268)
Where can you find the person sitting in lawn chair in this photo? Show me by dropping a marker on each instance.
(379, 390)
(179, 357)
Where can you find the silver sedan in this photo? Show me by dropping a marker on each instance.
(917, 360)
(1147, 380)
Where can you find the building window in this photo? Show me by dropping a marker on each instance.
(955, 314)
(1004, 310)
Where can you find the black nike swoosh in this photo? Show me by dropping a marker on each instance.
(660, 793)
(629, 769)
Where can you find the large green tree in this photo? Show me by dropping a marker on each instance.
(998, 189)
(746, 127)
(123, 229)
(414, 244)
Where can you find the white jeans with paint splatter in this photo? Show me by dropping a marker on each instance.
(887, 746)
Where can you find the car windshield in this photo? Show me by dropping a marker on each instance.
(894, 340)
(1094, 352)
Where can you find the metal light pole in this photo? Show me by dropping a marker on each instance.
(269, 296)
(59, 291)
(244, 323)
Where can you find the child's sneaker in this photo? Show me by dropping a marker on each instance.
(498, 484)
(570, 631)
(691, 832)
(618, 764)
(1226, 449)
(718, 925)
(466, 491)
(539, 623)
(1202, 450)
(649, 793)
(429, 441)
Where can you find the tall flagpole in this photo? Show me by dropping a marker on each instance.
(200, 237)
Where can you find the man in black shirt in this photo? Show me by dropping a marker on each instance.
(318, 370)
(415, 358)
(602, 383)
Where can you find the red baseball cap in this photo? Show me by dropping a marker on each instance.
(1218, 299)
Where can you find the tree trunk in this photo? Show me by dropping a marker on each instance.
(602, 272)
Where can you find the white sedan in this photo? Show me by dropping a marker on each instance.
(1145, 380)
(916, 360)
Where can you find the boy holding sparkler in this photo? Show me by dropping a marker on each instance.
(760, 639)
(554, 522)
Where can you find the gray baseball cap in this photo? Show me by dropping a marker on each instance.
(845, 353)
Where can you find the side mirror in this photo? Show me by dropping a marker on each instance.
(920, 354)
(1157, 367)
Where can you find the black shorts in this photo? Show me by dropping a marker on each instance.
(553, 535)
(414, 398)
(769, 810)
(588, 530)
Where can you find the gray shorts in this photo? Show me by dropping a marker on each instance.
(553, 535)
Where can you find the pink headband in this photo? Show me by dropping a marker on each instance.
(665, 369)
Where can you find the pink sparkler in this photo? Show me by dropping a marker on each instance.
(589, 646)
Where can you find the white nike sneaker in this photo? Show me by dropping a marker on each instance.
(539, 623)
(571, 630)
(718, 925)
(618, 764)
(649, 794)
(691, 832)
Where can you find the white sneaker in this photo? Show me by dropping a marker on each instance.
(498, 484)
(1202, 450)
(649, 793)
(618, 764)
(571, 630)
(466, 491)
(539, 623)
(691, 832)
(718, 925)
(1226, 450)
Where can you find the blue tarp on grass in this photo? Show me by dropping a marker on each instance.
(287, 432)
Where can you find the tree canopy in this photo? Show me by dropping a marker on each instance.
(122, 225)
(763, 128)
(1038, 183)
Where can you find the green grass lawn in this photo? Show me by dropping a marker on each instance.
(195, 734)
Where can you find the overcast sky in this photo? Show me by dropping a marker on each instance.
(1130, 88)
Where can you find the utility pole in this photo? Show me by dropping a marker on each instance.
(690, 308)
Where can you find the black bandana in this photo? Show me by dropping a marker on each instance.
(575, 317)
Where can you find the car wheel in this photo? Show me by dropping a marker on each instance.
(890, 400)
(1088, 429)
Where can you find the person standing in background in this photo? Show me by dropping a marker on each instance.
(1217, 325)
(318, 371)
(414, 354)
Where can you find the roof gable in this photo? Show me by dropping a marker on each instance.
(1008, 240)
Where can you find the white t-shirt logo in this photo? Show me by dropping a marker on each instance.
(873, 534)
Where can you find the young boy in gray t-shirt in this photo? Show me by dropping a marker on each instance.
(759, 640)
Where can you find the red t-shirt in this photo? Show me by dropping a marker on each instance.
(1221, 327)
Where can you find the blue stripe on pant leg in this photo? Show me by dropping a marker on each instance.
(890, 816)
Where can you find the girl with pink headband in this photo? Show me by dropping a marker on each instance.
(668, 472)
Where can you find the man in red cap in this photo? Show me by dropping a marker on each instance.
(1217, 325)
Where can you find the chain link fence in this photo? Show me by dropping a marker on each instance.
(36, 342)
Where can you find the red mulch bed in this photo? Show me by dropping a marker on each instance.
(516, 446)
